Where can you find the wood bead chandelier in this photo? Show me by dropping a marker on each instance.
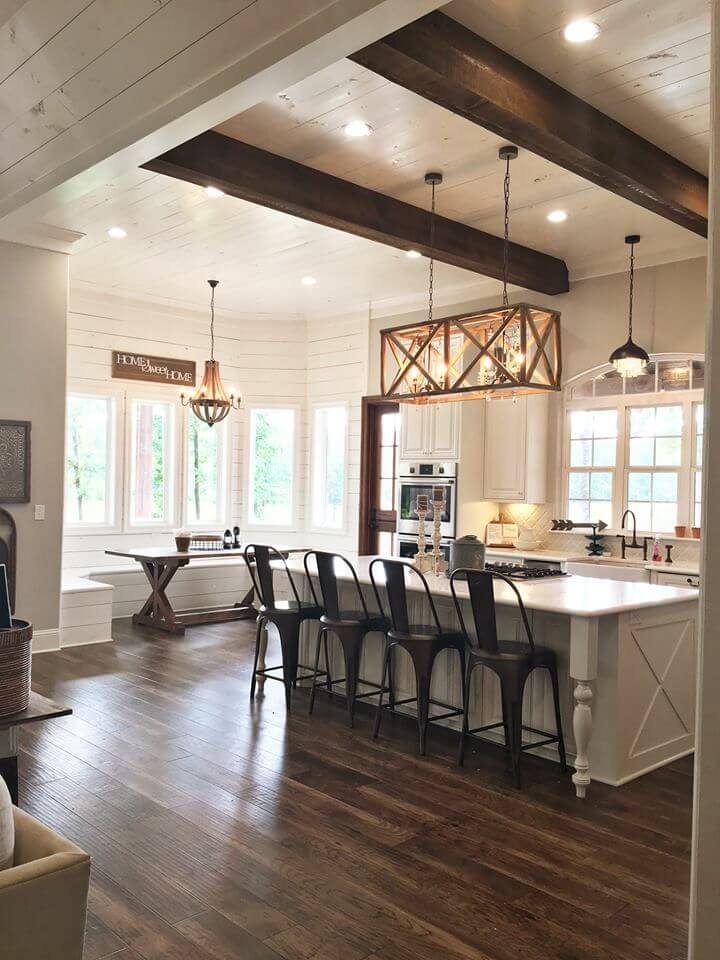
(211, 403)
(510, 349)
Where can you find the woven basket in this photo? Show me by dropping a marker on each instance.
(15, 660)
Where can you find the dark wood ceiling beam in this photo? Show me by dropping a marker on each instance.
(253, 174)
(444, 62)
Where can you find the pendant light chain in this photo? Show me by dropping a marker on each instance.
(212, 322)
(632, 287)
(506, 196)
(431, 267)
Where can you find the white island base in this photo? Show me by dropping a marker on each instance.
(626, 660)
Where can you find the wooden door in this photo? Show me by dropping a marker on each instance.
(378, 475)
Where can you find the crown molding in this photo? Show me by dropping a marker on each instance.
(45, 236)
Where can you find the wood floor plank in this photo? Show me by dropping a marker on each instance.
(220, 828)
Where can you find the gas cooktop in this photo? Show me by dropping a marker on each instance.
(517, 571)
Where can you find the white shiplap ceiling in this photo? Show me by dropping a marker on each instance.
(177, 237)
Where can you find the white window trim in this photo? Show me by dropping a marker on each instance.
(622, 403)
(224, 485)
(250, 523)
(89, 388)
(311, 526)
(173, 482)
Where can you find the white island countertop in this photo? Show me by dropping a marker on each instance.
(571, 596)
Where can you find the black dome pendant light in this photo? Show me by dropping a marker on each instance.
(630, 360)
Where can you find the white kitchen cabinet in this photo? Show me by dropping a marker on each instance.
(429, 431)
(516, 439)
(675, 579)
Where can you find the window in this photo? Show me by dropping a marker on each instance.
(89, 461)
(151, 463)
(204, 473)
(389, 435)
(636, 443)
(593, 449)
(655, 447)
(329, 450)
(271, 459)
(698, 418)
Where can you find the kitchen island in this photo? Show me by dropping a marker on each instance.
(627, 662)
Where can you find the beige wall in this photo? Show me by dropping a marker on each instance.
(32, 387)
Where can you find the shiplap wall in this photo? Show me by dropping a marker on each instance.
(337, 352)
(261, 355)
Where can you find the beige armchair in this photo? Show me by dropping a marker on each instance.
(43, 897)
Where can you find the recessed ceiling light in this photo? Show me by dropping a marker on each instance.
(581, 31)
(117, 233)
(308, 281)
(357, 128)
(557, 216)
(214, 192)
(413, 254)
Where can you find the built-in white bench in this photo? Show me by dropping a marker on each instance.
(91, 599)
(86, 610)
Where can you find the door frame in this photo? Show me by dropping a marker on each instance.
(369, 421)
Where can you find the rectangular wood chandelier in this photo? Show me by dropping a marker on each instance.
(510, 350)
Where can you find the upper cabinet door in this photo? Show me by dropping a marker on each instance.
(516, 437)
(430, 431)
(505, 426)
(414, 431)
(444, 431)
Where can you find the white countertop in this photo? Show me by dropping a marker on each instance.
(679, 567)
(553, 556)
(570, 596)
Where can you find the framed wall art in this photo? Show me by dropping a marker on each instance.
(14, 461)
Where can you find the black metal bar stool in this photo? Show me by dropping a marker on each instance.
(512, 663)
(350, 626)
(422, 641)
(287, 616)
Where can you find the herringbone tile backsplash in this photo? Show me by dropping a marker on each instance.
(539, 517)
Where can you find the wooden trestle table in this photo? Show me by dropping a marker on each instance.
(160, 566)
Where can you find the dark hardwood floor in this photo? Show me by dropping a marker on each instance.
(223, 830)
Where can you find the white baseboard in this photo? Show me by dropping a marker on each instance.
(44, 641)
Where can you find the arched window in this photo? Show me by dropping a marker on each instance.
(636, 444)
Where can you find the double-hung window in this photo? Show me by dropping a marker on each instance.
(697, 455)
(593, 454)
(271, 466)
(328, 468)
(151, 463)
(636, 444)
(653, 465)
(90, 461)
(205, 473)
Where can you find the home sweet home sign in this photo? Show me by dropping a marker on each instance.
(140, 366)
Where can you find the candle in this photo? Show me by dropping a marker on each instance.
(422, 501)
(438, 493)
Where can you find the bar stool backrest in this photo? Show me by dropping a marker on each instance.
(396, 589)
(327, 572)
(481, 587)
(259, 558)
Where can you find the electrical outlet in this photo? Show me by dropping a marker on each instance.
(39, 511)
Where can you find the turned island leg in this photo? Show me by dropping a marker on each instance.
(583, 669)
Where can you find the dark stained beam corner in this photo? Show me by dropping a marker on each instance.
(444, 62)
(264, 178)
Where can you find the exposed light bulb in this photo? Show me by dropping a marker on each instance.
(117, 233)
(581, 31)
(629, 366)
(357, 128)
